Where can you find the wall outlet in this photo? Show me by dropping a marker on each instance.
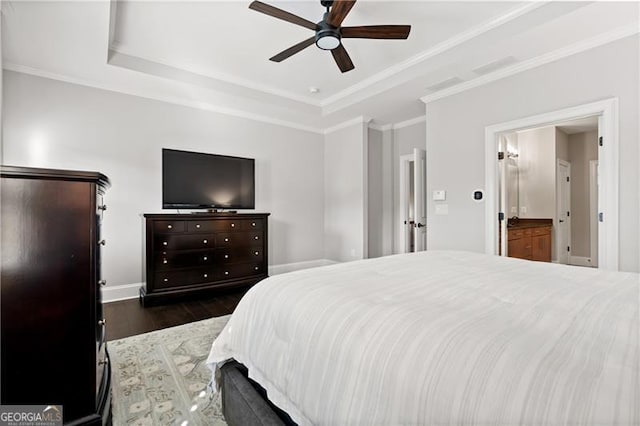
(523, 210)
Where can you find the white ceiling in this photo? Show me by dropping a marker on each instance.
(214, 54)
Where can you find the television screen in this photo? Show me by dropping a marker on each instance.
(195, 180)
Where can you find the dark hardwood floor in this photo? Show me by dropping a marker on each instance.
(127, 317)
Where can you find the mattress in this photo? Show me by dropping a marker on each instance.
(442, 338)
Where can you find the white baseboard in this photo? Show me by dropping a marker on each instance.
(290, 267)
(113, 293)
(580, 261)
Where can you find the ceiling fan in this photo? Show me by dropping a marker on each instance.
(329, 31)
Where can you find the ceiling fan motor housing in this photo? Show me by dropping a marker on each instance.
(327, 37)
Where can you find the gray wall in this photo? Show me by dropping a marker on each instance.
(583, 147)
(345, 193)
(48, 123)
(456, 126)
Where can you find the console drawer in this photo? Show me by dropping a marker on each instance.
(172, 279)
(168, 226)
(234, 239)
(180, 259)
(240, 255)
(184, 242)
(241, 270)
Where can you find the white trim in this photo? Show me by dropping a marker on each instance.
(296, 266)
(558, 237)
(114, 293)
(593, 210)
(608, 157)
(426, 55)
(580, 261)
(202, 105)
(344, 124)
(602, 39)
(380, 127)
(409, 122)
(404, 201)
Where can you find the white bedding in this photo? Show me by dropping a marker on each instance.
(443, 338)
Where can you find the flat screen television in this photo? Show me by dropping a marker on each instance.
(193, 180)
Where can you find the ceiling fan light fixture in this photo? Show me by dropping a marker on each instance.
(327, 41)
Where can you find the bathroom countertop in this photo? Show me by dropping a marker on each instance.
(529, 223)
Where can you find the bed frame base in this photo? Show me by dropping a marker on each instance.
(245, 403)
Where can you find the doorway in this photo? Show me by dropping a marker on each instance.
(412, 226)
(598, 180)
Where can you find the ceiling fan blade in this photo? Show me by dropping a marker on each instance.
(388, 32)
(281, 14)
(339, 11)
(293, 50)
(342, 58)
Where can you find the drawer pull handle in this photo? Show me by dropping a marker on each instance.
(226, 256)
(102, 322)
(226, 272)
(164, 243)
(205, 275)
(205, 241)
(103, 362)
(166, 280)
(253, 224)
(226, 240)
(256, 253)
(102, 207)
(198, 225)
(102, 242)
(164, 261)
(256, 238)
(255, 268)
(204, 258)
(169, 226)
(233, 225)
(102, 282)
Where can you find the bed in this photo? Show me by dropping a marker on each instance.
(441, 338)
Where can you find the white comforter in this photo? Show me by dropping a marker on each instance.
(443, 338)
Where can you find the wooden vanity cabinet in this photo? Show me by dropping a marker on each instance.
(530, 243)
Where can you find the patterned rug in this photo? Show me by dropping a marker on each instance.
(160, 378)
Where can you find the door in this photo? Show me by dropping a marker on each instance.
(412, 201)
(420, 219)
(563, 213)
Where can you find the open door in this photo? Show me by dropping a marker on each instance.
(413, 235)
(563, 205)
(419, 177)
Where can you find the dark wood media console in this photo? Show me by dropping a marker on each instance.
(187, 254)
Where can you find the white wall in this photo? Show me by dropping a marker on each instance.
(456, 125)
(375, 187)
(345, 193)
(52, 124)
(405, 139)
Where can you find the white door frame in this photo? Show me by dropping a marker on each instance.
(559, 214)
(404, 202)
(608, 158)
(593, 212)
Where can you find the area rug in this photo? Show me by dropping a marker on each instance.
(161, 378)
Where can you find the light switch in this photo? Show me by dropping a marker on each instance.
(442, 209)
(439, 195)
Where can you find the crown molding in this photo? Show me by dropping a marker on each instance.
(358, 120)
(582, 46)
(380, 127)
(421, 57)
(410, 122)
(201, 105)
